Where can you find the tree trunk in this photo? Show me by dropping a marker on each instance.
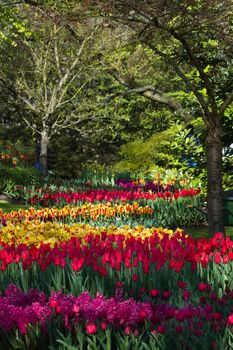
(214, 176)
(44, 152)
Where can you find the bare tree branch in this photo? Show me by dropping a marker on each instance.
(31, 126)
(182, 75)
(75, 95)
(150, 92)
(226, 103)
(31, 106)
(196, 63)
(57, 59)
(44, 78)
(12, 3)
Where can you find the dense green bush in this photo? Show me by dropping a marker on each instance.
(179, 147)
(10, 177)
(142, 155)
(227, 181)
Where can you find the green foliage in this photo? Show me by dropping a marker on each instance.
(97, 174)
(176, 213)
(141, 156)
(188, 143)
(227, 181)
(10, 177)
(11, 25)
(172, 149)
(8, 187)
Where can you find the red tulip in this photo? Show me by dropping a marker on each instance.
(154, 293)
(91, 328)
(77, 264)
(103, 325)
(166, 295)
(127, 330)
(161, 329)
(53, 303)
(182, 284)
(202, 287)
(186, 295)
(179, 329)
(230, 319)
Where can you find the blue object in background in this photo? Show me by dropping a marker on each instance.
(37, 163)
(191, 163)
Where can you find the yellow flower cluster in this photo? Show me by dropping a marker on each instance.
(88, 210)
(35, 232)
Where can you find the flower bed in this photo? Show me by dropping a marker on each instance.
(49, 197)
(169, 210)
(90, 277)
(149, 288)
(36, 232)
(86, 212)
(156, 260)
(99, 313)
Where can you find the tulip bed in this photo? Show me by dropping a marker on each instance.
(169, 209)
(89, 276)
(50, 196)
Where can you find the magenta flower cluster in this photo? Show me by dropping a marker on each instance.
(19, 310)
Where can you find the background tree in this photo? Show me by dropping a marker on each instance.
(51, 83)
(194, 38)
(189, 39)
(121, 115)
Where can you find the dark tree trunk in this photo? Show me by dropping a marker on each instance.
(44, 152)
(214, 175)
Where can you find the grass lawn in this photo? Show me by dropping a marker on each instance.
(203, 231)
(7, 206)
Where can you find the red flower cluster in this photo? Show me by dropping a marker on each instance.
(51, 198)
(115, 251)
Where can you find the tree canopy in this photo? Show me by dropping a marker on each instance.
(150, 65)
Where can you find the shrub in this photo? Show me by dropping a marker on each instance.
(141, 155)
(17, 176)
